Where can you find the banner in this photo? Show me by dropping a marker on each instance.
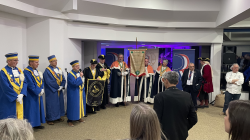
(112, 55)
(152, 55)
(137, 62)
(181, 59)
(95, 90)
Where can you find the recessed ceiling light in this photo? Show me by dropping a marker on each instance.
(142, 44)
(107, 45)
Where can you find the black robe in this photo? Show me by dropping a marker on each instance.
(106, 94)
(116, 93)
(141, 88)
(88, 75)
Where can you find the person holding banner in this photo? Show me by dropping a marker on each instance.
(119, 82)
(76, 100)
(92, 73)
(145, 85)
(54, 82)
(13, 88)
(158, 83)
(207, 83)
(104, 68)
(33, 102)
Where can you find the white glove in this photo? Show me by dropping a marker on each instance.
(125, 73)
(60, 88)
(20, 98)
(78, 75)
(137, 77)
(41, 93)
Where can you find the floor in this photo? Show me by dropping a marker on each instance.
(113, 123)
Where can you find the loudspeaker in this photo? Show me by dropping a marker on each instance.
(229, 49)
(229, 58)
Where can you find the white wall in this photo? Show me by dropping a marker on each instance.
(240, 49)
(12, 37)
(38, 40)
(90, 52)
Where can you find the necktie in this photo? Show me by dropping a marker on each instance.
(190, 75)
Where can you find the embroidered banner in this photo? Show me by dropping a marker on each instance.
(137, 62)
(95, 90)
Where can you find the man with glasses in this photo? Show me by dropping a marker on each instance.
(12, 89)
(191, 82)
(234, 79)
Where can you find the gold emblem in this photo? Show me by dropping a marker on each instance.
(96, 89)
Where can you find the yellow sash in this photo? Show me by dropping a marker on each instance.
(17, 89)
(81, 98)
(39, 84)
(59, 81)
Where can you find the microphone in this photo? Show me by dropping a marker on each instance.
(80, 70)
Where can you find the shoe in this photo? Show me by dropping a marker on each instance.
(39, 127)
(206, 104)
(222, 113)
(98, 108)
(60, 120)
(103, 107)
(93, 112)
(201, 105)
(81, 120)
(117, 105)
(86, 116)
(70, 124)
(122, 103)
(50, 123)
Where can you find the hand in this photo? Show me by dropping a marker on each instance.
(41, 93)
(81, 74)
(102, 69)
(125, 73)
(60, 88)
(98, 79)
(137, 77)
(20, 98)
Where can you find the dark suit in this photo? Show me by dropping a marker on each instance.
(196, 84)
(176, 113)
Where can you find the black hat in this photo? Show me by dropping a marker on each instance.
(93, 61)
(101, 57)
(204, 59)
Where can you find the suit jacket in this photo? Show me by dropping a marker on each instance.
(197, 79)
(176, 113)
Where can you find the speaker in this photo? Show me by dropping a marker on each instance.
(229, 49)
(229, 58)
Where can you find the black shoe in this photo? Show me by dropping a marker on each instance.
(200, 106)
(86, 116)
(103, 107)
(39, 127)
(117, 105)
(98, 108)
(122, 103)
(94, 112)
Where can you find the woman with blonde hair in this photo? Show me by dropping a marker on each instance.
(144, 124)
(15, 129)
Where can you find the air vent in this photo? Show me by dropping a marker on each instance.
(89, 22)
(147, 27)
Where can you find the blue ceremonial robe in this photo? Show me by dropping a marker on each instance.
(54, 103)
(33, 107)
(73, 97)
(8, 96)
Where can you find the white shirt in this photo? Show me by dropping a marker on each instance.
(93, 71)
(190, 82)
(234, 88)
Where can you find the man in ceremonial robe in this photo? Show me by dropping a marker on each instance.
(158, 83)
(33, 102)
(207, 83)
(120, 91)
(54, 82)
(13, 87)
(76, 99)
(104, 68)
(145, 84)
(92, 73)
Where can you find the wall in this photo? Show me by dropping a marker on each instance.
(38, 40)
(240, 49)
(13, 38)
(90, 52)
